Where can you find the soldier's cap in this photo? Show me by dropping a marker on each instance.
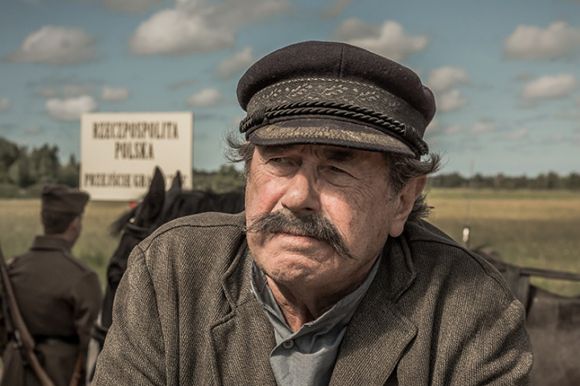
(337, 94)
(63, 199)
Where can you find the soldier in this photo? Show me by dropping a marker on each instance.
(58, 295)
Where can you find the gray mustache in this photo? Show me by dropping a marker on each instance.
(314, 225)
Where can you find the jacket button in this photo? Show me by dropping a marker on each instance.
(288, 344)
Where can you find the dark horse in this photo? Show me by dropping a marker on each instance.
(156, 208)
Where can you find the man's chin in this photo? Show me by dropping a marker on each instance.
(292, 269)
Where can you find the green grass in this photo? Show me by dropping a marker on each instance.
(531, 228)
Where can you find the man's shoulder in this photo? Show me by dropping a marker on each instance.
(434, 250)
(428, 238)
(198, 250)
(78, 265)
(211, 232)
(203, 222)
(62, 261)
(422, 230)
(65, 264)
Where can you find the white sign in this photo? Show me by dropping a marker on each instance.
(119, 152)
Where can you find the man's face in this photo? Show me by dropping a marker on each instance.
(344, 187)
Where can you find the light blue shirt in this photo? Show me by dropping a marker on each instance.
(307, 356)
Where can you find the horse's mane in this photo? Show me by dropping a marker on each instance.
(184, 203)
(198, 201)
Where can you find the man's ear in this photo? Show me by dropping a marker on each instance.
(76, 221)
(403, 204)
(74, 225)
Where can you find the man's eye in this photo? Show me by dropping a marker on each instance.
(280, 163)
(336, 170)
(278, 160)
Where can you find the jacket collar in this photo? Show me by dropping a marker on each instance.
(243, 339)
(50, 243)
(379, 333)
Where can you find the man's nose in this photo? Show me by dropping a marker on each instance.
(302, 193)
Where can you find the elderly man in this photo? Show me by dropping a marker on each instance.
(330, 276)
(58, 295)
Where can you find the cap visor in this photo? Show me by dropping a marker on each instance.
(334, 132)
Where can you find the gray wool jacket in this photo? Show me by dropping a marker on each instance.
(435, 314)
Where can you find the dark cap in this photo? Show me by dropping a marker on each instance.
(63, 199)
(335, 94)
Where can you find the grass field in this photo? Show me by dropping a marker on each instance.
(532, 228)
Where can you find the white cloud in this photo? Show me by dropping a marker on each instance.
(75, 90)
(131, 6)
(435, 129)
(336, 9)
(433, 142)
(67, 91)
(534, 43)
(518, 134)
(237, 120)
(5, 104)
(239, 61)
(443, 78)
(182, 83)
(550, 87)
(205, 98)
(389, 39)
(483, 127)
(47, 92)
(171, 32)
(452, 129)
(441, 81)
(34, 130)
(70, 109)
(572, 113)
(450, 101)
(195, 27)
(523, 77)
(565, 113)
(111, 94)
(555, 138)
(56, 45)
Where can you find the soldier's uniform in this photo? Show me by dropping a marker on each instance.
(59, 298)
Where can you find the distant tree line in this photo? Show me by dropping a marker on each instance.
(23, 172)
(544, 181)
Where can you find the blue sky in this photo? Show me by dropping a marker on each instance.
(505, 73)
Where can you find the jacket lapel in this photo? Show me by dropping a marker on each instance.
(243, 339)
(378, 332)
(242, 345)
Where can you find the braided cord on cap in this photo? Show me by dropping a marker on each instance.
(384, 123)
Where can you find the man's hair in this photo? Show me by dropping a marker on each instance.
(400, 168)
(55, 223)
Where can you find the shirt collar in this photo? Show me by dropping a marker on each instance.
(340, 313)
(50, 242)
